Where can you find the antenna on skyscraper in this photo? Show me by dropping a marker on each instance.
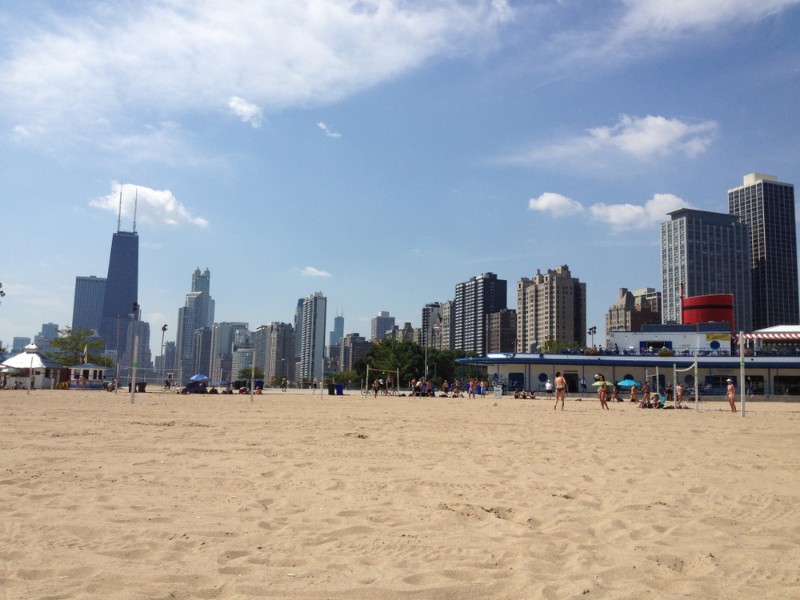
(119, 213)
(135, 204)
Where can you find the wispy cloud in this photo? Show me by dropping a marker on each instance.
(641, 138)
(103, 73)
(629, 30)
(247, 112)
(328, 131)
(153, 207)
(313, 272)
(620, 217)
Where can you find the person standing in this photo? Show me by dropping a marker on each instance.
(679, 395)
(633, 393)
(731, 393)
(561, 389)
(548, 387)
(602, 392)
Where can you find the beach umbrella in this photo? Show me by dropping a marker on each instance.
(198, 377)
(629, 383)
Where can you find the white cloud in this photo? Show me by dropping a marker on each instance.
(620, 217)
(627, 30)
(328, 131)
(312, 272)
(101, 73)
(633, 216)
(639, 137)
(555, 204)
(247, 112)
(154, 207)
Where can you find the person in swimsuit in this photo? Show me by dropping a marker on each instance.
(731, 395)
(561, 390)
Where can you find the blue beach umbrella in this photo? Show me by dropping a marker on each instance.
(198, 377)
(628, 383)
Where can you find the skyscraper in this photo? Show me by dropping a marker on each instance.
(430, 331)
(197, 312)
(551, 307)
(312, 350)
(274, 346)
(87, 307)
(222, 348)
(767, 206)
(476, 298)
(122, 290)
(338, 331)
(381, 324)
(705, 253)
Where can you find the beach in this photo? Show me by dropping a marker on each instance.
(300, 495)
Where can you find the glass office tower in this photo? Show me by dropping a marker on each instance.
(767, 206)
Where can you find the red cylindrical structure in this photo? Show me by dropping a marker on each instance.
(710, 308)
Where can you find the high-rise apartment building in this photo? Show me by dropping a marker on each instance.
(705, 253)
(430, 331)
(352, 347)
(312, 351)
(222, 349)
(767, 206)
(122, 290)
(632, 309)
(476, 298)
(275, 355)
(201, 351)
(551, 307)
(381, 324)
(448, 325)
(501, 331)
(87, 306)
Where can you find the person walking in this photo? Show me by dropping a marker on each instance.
(561, 389)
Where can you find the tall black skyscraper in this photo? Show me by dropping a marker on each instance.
(122, 289)
(767, 206)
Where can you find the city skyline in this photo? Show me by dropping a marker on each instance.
(395, 150)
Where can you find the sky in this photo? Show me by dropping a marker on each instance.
(377, 151)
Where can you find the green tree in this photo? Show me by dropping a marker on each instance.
(244, 374)
(69, 346)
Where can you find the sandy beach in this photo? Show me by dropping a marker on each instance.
(296, 495)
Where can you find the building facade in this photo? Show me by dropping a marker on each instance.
(766, 205)
(274, 345)
(380, 325)
(222, 348)
(87, 306)
(121, 292)
(352, 347)
(312, 351)
(703, 253)
(632, 309)
(476, 298)
(551, 307)
(501, 331)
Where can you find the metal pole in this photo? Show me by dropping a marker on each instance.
(135, 352)
(696, 387)
(742, 385)
(253, 373)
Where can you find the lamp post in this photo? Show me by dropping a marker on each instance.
(163, 359)
(591, 332)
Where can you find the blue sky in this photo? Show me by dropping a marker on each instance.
(379, 152)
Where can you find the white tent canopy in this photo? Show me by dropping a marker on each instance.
(30, 358)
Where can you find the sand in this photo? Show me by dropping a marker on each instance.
(310, 496)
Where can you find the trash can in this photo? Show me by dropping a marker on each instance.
(330, 389)
(339, 389)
